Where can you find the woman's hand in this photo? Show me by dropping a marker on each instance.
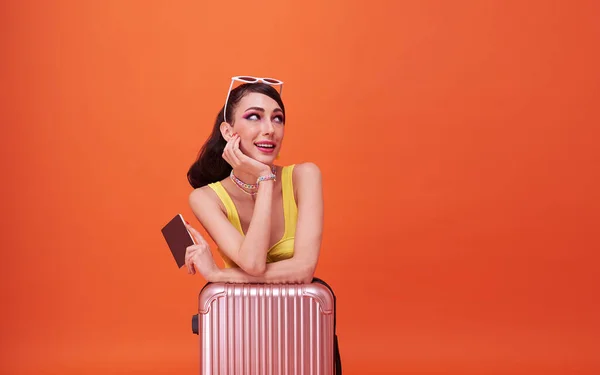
(199, 257)
(239, 161)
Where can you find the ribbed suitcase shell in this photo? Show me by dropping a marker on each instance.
(270, 329)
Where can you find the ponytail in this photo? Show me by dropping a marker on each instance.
(210, 166)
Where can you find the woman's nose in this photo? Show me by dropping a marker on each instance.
(268, 127)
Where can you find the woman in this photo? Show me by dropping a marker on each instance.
(266, 220)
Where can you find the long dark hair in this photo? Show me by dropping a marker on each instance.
(210, 166)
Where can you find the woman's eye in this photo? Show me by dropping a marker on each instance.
(253, 116)
(279, 119)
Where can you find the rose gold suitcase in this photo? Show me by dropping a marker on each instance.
(270, 329)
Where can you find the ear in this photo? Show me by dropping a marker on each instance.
(226, 130)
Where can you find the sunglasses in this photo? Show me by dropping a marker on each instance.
(249, 79)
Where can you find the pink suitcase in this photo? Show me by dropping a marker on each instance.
(270, 329)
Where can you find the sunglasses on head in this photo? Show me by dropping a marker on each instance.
(249, 79)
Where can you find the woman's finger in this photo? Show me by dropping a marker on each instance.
(227, 152)
(189, 260)
(235, 162)
(191, 251)
(197, 236)
(235, 147)
(239, 156)
(187, 264)
(194, 233)
(228, 156)
(237, 152)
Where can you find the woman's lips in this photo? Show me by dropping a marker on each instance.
(265, 147)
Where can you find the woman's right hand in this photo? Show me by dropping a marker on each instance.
(239, 161)
(199, 257)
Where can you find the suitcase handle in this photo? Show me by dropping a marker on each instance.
(195, 324)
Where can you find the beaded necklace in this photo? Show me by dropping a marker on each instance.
(243, 186)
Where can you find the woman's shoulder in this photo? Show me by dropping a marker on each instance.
(307, 171)
(305, 168)
(204, 194)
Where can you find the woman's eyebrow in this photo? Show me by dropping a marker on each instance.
(255, 108)
(262, 109)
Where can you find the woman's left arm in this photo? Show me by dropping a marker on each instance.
(307, 243)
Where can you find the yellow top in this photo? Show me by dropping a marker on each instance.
(284, 248)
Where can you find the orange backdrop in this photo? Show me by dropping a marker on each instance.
(458, 143)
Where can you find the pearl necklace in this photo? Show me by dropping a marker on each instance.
(243, 186)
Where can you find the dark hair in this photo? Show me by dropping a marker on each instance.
(210, 166)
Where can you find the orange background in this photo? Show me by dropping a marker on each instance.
(457, 139)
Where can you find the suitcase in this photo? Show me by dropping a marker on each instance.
(270, 329)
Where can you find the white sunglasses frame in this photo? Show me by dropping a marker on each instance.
(251, 80)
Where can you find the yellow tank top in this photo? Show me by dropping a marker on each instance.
(284, 248)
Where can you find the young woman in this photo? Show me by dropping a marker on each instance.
(266, 219)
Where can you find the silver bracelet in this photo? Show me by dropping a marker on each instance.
(266, 178)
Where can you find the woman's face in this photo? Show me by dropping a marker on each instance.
(259, 121)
